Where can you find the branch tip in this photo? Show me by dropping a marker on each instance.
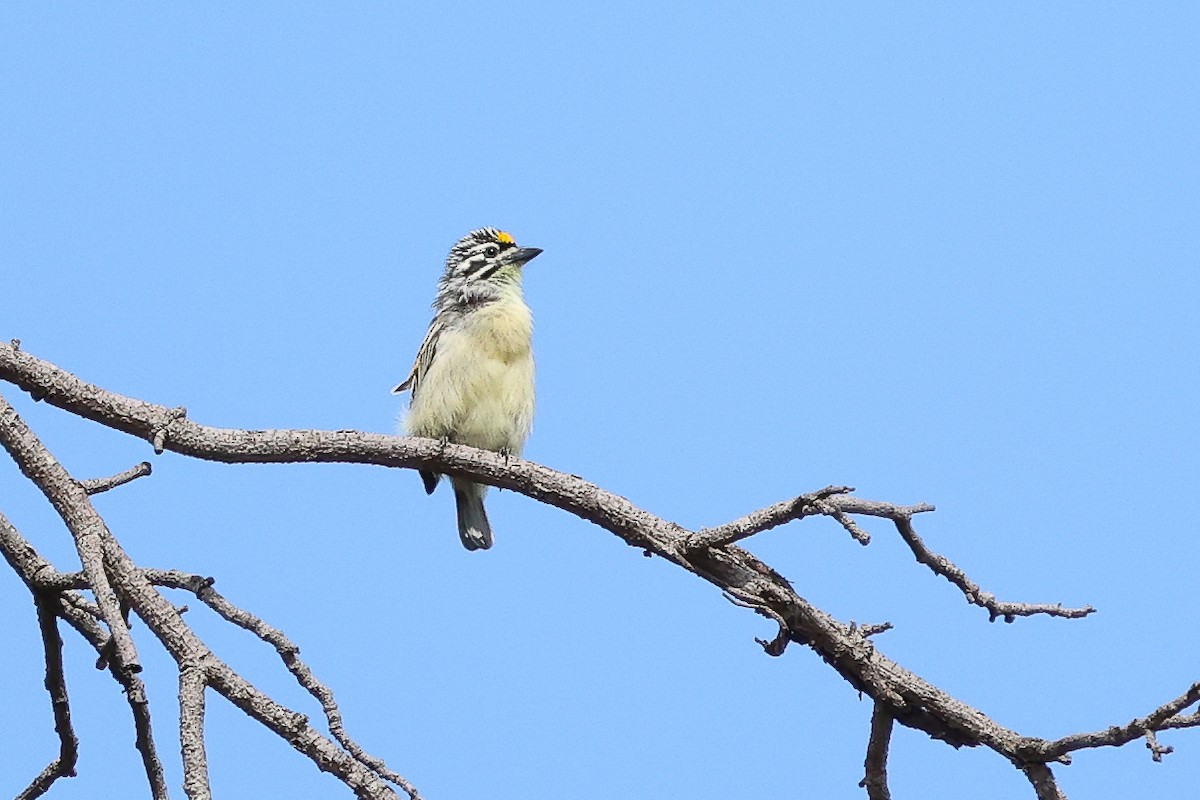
(98, 485)
(941, 565)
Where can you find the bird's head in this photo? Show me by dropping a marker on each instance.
(482, 265)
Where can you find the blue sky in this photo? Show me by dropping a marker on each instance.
(942, 252)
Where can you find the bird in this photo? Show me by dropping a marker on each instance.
(472, 382)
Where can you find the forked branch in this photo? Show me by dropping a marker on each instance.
(195, 659)
(899, 695)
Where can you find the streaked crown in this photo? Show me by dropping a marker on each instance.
(478, 250)
(480, 266)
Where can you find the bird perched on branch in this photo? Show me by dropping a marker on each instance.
(472, 382)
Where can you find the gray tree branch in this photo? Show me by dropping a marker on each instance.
(875, 781)
(192, 681)
(64, 494)
(56, 684)
(98, 485)
(899, 694)
(41, 577)
(189, 652)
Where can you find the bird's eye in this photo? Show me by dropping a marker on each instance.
(492, 251)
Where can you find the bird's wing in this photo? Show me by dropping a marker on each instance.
(424, 358)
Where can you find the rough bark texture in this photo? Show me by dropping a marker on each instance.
(121, 587)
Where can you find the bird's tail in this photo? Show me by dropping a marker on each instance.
(473, 527)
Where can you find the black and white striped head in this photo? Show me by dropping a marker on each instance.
(481, 265)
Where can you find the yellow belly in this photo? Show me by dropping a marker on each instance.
(479, 388)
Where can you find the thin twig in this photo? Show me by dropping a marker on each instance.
(139, 704)
(1115, 735)
(806, 505)
(73, 611)
(835, 502)
(202, 588)
(98, 485)
(950, 571)
(56, 684)
(846, 521)
(1182, 721)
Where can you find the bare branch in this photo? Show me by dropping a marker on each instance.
(899, 694)
(139, 704)
(835, 502)
(913, 701)
(163, 619)
(202, 588)
(63, 492)
(37, 573)
(74, 610)
(1182, 721)
(288, 652)
(191, 732)
(98, 485)
(846, 521)
(1116, 735)
(806, 505)
(56, 684)
(951, 572)
(82, 604)
(40, 576)
(133, 688)
(875, 780)
(1044, 784)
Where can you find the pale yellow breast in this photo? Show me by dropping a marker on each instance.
(479, 389)
(503, 330)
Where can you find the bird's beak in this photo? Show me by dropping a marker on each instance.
(523, 254)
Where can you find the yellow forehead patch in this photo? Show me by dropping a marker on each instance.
(506, 237)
